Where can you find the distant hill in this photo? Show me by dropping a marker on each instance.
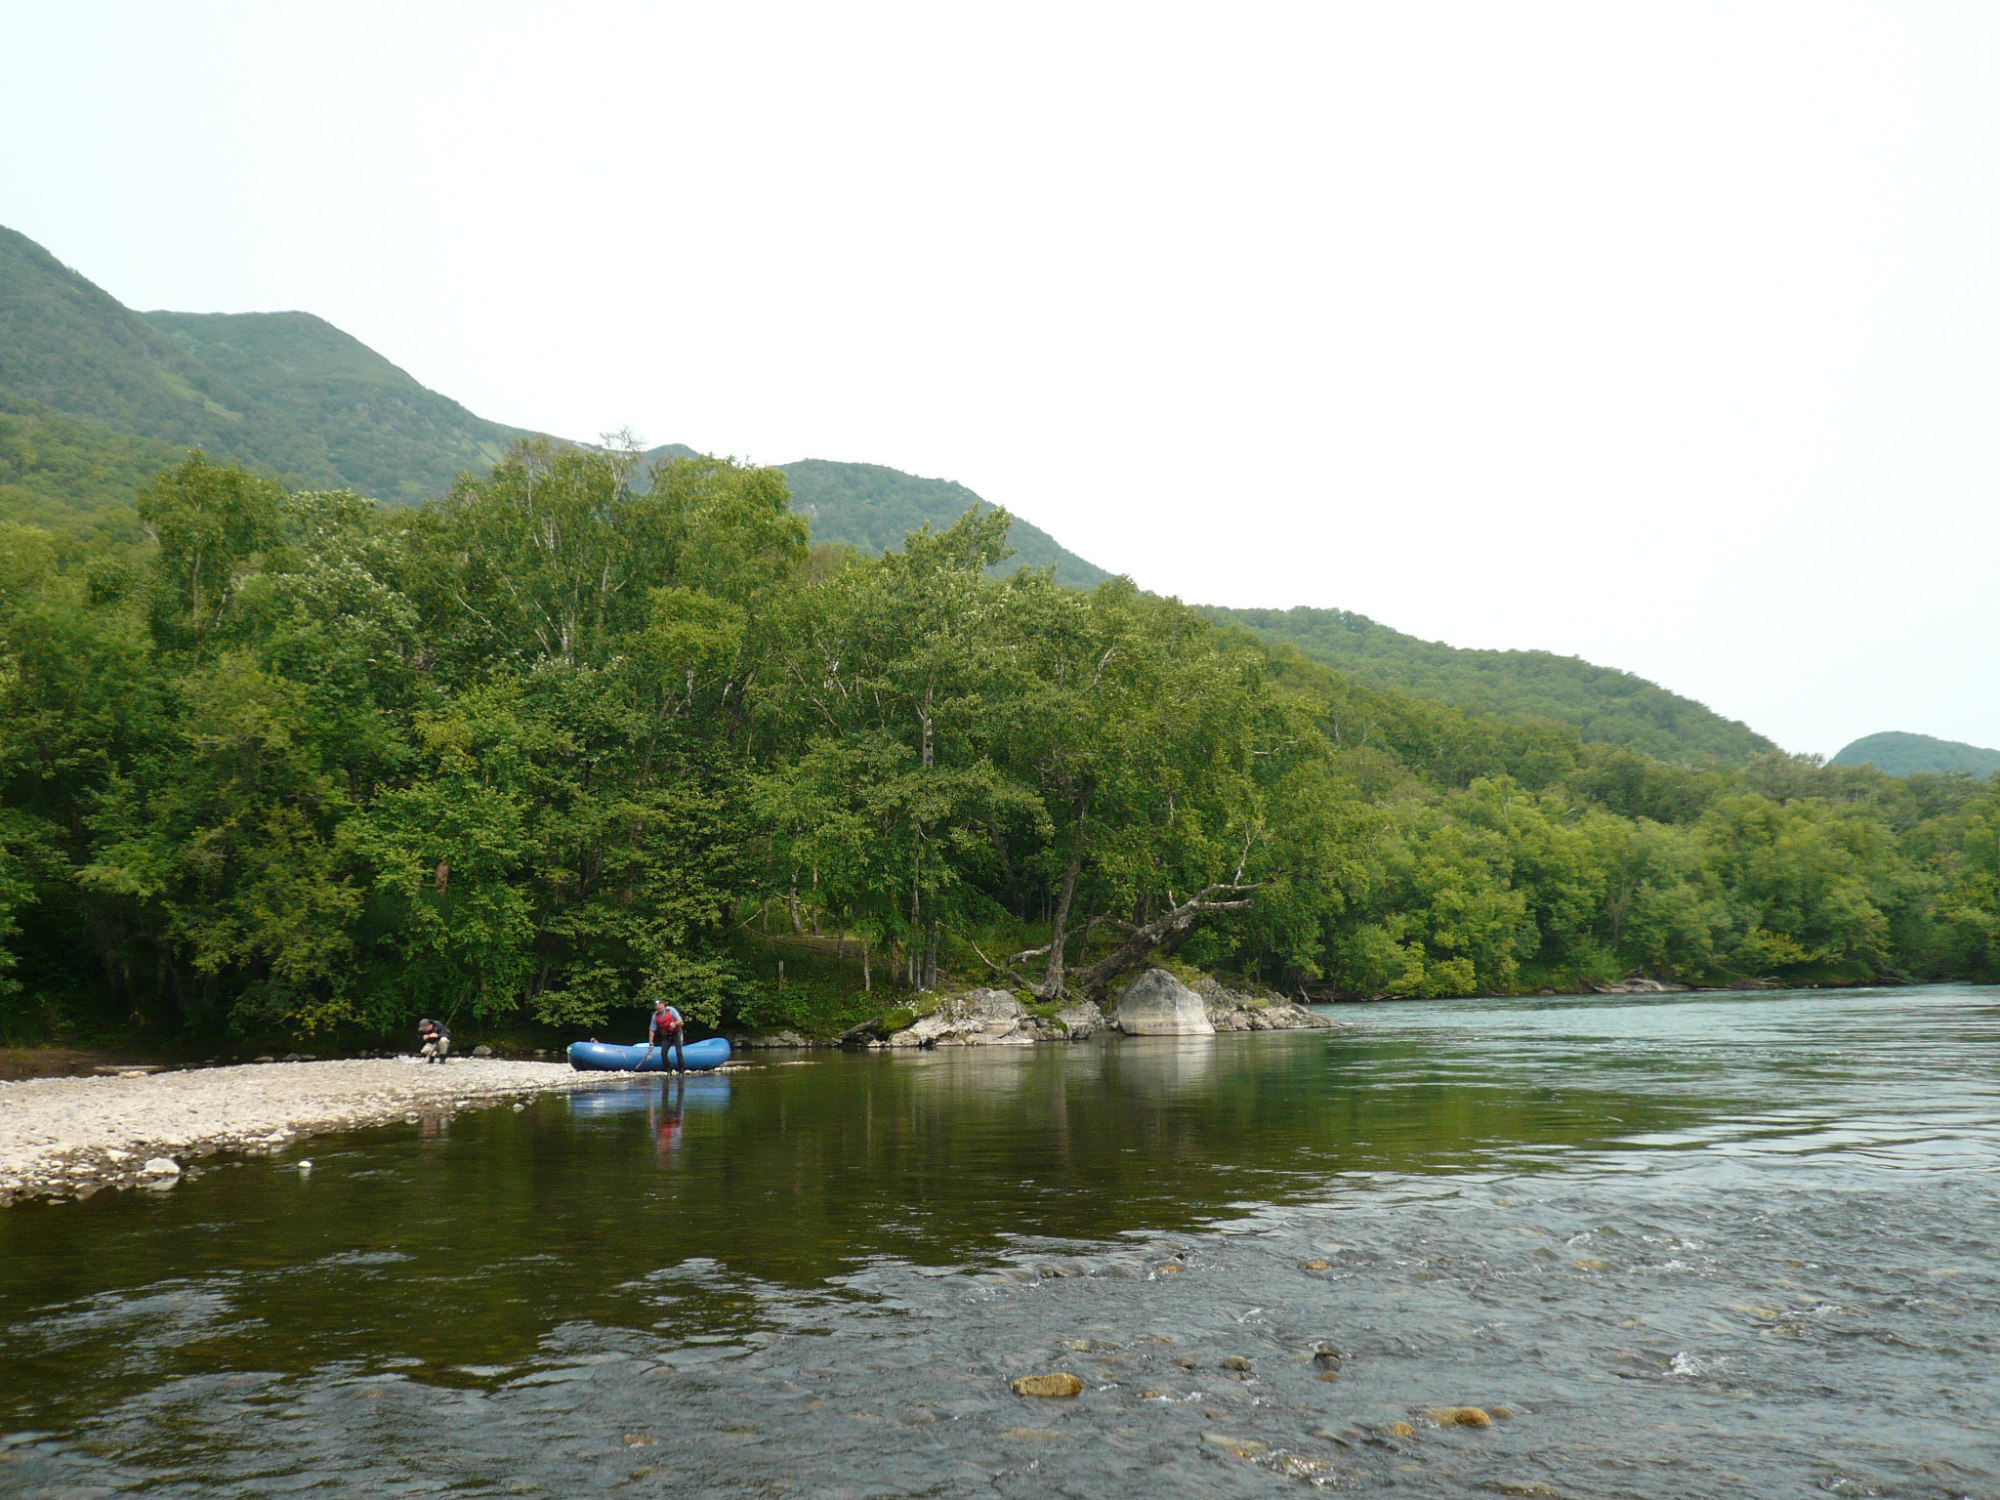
(91, 392)
(872, 508)
(1914, 754)
(95, 399)
(1601, 703)
(68, 346)
(371, 425)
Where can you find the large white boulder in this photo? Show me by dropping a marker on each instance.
(1157, 1004)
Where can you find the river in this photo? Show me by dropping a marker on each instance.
(1695, 1245)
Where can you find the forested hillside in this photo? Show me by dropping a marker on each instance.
(1918, 754)
(71, 475)
(92, 395)
(567, 741)
(871, 509)
(70, 347)
(1600, 703)
(379, 431)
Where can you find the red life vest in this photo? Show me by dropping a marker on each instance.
(666, 1020)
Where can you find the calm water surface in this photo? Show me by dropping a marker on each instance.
(1718, 1245)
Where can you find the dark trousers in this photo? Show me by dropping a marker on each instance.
(677, 1041)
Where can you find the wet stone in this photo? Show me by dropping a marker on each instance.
(1059, 1384)
(1239, 1447)
(1459, 1416)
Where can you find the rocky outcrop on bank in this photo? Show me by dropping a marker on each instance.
(1639, 984)
(1238, 1010)
(1156, 1003)
(1159, 1004)
(983, 1017)
(69, 1137)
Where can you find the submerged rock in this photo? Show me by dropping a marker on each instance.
(1459, 1416)
(1157, 1004)
(1058, 1384)
(1240, 1447)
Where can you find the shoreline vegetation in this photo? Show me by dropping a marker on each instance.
(583, 735)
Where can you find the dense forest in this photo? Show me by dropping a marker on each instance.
(580, 735)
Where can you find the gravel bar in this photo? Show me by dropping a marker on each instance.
(68, 1137)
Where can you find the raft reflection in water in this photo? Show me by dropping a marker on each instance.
(706, 1093)
(665, 1104)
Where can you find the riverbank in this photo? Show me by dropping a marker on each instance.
(1155, 1003)
(71, 1137)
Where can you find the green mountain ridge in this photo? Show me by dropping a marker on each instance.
(1600, 703)
(370, 424)
(96, 398)
(872, 508)
(1903, 754)
(90, 389)
(68, 346)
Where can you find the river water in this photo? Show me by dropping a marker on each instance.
(1697, 1245)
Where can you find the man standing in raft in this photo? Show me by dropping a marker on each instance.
(668, 1029)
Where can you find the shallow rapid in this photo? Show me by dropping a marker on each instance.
(1693, 1245)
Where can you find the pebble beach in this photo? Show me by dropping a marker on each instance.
(70, 1137)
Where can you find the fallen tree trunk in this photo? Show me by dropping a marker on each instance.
(1161, 936)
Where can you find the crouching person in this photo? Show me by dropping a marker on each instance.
(433, 1041)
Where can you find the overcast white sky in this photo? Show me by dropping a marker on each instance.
(1663, 335)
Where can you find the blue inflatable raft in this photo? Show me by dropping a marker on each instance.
(609, 1057)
